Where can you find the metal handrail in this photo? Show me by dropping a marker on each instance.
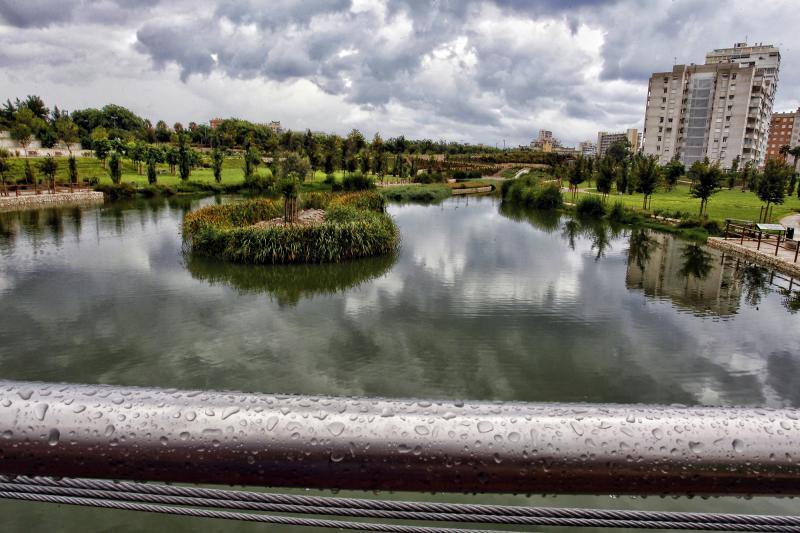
(355, 443)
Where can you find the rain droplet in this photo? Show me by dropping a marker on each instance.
(484, 426)
(336, 428)
(41, 410)
(738, 445)
(696, 447)
(272, 422)
(658, 434)
(230, 411)
(53, 437)
(422, 430)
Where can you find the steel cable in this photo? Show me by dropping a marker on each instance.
(391, 515)
(414, 507)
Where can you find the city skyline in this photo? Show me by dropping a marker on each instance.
(478, 72)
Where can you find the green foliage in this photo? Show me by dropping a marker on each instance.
(184, 158)
(771, 187)
(115, 168)
(590, 207)
(673, 171)
(645, 173)
(357, 182)
(217, 159)
(705, 178)
(49, 167)
(529, 191)
(429, 177)
(606, 172)
(416, 193)
(230, 231)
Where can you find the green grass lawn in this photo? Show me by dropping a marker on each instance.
(723, 204)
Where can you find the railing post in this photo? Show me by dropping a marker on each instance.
(759, 241)
(777, 244)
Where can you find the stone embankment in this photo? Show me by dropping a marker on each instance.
(765, 256)
(35, 201)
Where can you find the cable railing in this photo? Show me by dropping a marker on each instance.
(54, 431)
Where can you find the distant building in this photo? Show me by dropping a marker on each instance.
(545, 141)
(606, 139)
(720, 110)
(784, 130)
(587, 148)
(275, 126)
(214, 122)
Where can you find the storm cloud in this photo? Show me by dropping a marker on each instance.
(476, 71)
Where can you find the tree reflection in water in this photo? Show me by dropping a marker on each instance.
(697, 263)
(756, 283)
(640, 247)
(288, 284)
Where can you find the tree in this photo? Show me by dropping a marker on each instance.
(49, 167)
(72, 171)
(30, 177)
(4, 167)
(606, 172)
(217, 158)
(25, 125)
(733, 173)
(771, 188)
(622, 177)
(171, 157)
(162, 132)
(252, 158)
(295, 164)
(705, 179)
(673, 171)
(67, 132)
(620, 151)
(115, 168)
(153, 156)
(576, 174)
(364, 162)
(645, 170)
(795, 152)
(184, 158)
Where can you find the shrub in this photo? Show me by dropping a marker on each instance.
(355, 226)
(415, 193)
(357, 182)
(617, 213)
(429, 177)
(590, 207)
(330, 179)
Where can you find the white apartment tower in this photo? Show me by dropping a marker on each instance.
(720, 110)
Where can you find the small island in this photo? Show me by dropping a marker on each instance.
(314, 228)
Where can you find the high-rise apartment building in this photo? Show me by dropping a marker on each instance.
(720, 110)
(784, 130)
(606, 139)
(587, 149)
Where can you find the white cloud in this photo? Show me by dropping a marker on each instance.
(477, 70)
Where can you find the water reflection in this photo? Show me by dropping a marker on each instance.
(289, 283)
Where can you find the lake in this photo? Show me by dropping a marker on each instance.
(482, 302)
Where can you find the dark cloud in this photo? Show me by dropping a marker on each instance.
(487, 68)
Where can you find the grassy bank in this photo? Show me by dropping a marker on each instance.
(723, 204)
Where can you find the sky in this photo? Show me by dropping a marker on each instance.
(478, 71)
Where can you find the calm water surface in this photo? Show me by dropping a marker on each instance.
(480, 303)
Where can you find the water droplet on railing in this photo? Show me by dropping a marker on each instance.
(336, 428)
(484, 426)
(53, 437)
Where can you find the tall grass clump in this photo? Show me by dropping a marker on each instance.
(530, 191)
(590, 207)
(355, 226)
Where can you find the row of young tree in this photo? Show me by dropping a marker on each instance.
(630, 173)
(30, 119)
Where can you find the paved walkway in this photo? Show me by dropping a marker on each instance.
(792, 221)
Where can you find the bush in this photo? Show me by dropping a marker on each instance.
(357, 182)
(432, 177)
(590, 207)
(529, 191)
(415, 193)
(355, 226)
(617, 213)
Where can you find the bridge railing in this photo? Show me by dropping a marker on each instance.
(357, 443)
